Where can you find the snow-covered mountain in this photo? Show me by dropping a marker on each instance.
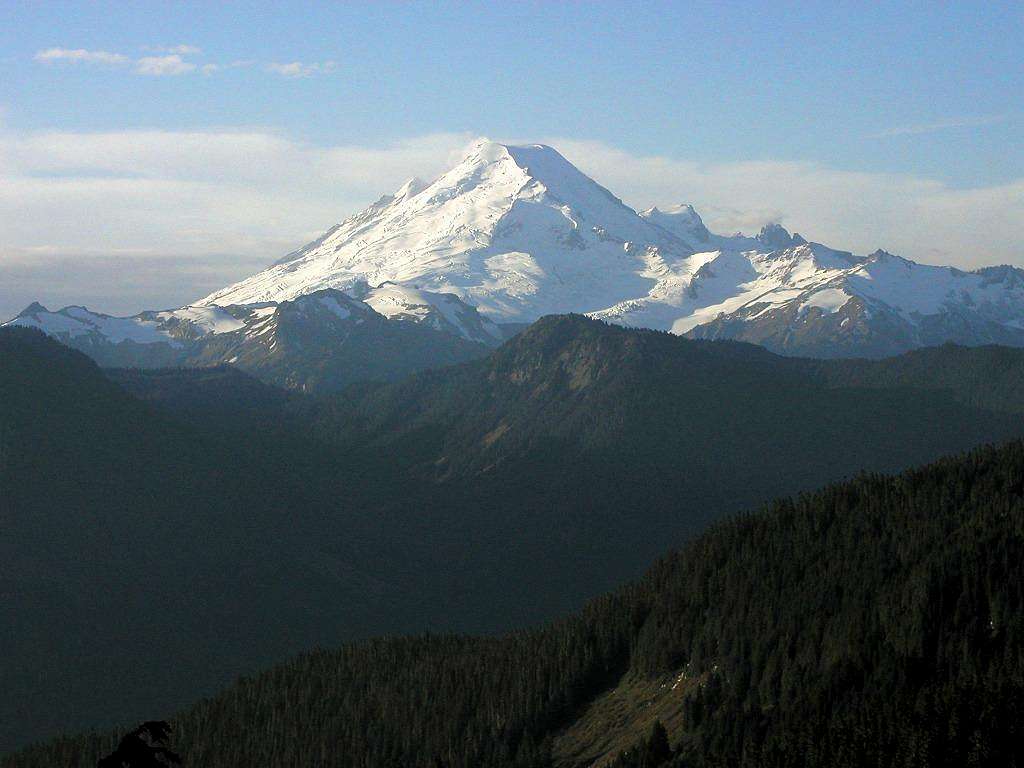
(145, 340)
(805, 298)
(512, 233)
(812, 301)
(172, 327)
(320, 341)
(518, 232)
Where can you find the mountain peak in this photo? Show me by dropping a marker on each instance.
(681, 220)
(776, 236)
(516, 230)
(34, 308)
(412, 187)
(537, 162)
(484, 149)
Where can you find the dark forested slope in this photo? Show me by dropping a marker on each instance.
(876, 622)
(144, 560)
(674, 406)
(151, 553)
(989, 377)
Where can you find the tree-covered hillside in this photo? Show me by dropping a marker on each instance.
(144, 560)
(668, 405)
(876, 622)
(208, 526)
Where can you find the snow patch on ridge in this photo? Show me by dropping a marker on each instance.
(830, 300)
(332, 305)
(210, 319)
(442, 311)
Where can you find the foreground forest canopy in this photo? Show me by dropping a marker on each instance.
(876, 622)
(165, 532)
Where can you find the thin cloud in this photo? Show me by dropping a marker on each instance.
(919, 129)
(173, 61)
(298, 69)
(79, 56)
(159, 66)
(181, 50)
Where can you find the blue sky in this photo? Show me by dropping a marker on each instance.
(676, 99)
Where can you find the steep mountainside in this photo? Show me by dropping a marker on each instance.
(877, 622)
(220, 524)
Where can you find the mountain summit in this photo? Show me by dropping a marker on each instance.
(519, 232)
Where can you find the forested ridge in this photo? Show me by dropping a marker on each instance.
(221, 525)
(879, 622)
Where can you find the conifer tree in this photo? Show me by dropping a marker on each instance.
(658, 750)
(143, 748)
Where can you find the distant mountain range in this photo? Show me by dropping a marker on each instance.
(165, 531)
(324, 340)
(513, 233)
